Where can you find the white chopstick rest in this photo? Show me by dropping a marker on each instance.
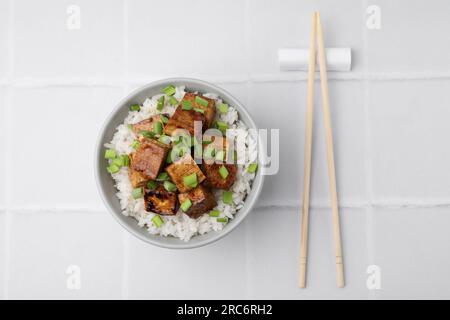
(338, 59)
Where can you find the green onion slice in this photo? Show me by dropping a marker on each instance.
(137, 193)
(169, 186)
(157, 221)
(135, 144)
(160, 103)
(135, 107)
(223, 220)
(252, 167)
(186, 105)
(110, 154)
(223, 172)
(169, 90)
(199, 110)
(164, 119)
(151, 185)
(214, 213)
(186, 205)
(147, 134)
(223, 108)
(227, 197)
(220, 155)
(173, 101)
(163, 176)
(157, 127)
(164, 139)
(201, 101)
(190, 180)
(113, 168)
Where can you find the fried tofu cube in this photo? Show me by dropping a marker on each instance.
(149, 158)
(160, 201)
(181, 168)
(202, 201)
(184, 119)
(215, 180)
(147, 124)
(137, 179)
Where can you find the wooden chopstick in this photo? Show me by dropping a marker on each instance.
(330, 155)
(308, 148)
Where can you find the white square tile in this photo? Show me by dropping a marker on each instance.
(54, 134)
(216, 271)
(274, 247)
(46, 46)
(411, 37)
(4, 30)
(283, 106)
(45, 245)
(187, 37)
(286, 24)
(412, 250)
(409, 130)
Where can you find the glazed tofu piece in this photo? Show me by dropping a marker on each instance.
(136, 178)
(202, 201)
(160, 201)
(184, 167)
(184, 119)
(149, 158)
(215, 175)
(147, 124)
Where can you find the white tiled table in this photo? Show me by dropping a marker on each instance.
(390, 120)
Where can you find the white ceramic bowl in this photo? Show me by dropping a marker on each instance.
(105, 182)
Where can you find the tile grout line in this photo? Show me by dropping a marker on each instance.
(125, 239)
(8, 143)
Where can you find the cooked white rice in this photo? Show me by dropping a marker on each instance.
(181, 225)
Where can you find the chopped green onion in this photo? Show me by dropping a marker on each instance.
(147, 134)
(214, 213)
(164, 119)
(122, 161)
(163, 176)
(157, 221)
(137, 193)
(252, 167)
(110, 154)
(151, 185)
(222, 126)
(223, 220)
(130, 126)
(113, 168)
(223, 172)
(169, 186)
(223, 108)
(206, 142)
(157, 127)
(135, 107)
(169, 157)
(220, 155)
(186, 105)
(169, 90)
(201, 101)
(135, 144)
(200, 110)
(227, 197)
(164, 139)
(186, 205)
(173, 101)
(190, 180)
(160, 103)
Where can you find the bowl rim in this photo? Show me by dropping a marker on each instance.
(215, 235)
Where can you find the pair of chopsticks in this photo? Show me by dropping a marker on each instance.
(316, 32)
